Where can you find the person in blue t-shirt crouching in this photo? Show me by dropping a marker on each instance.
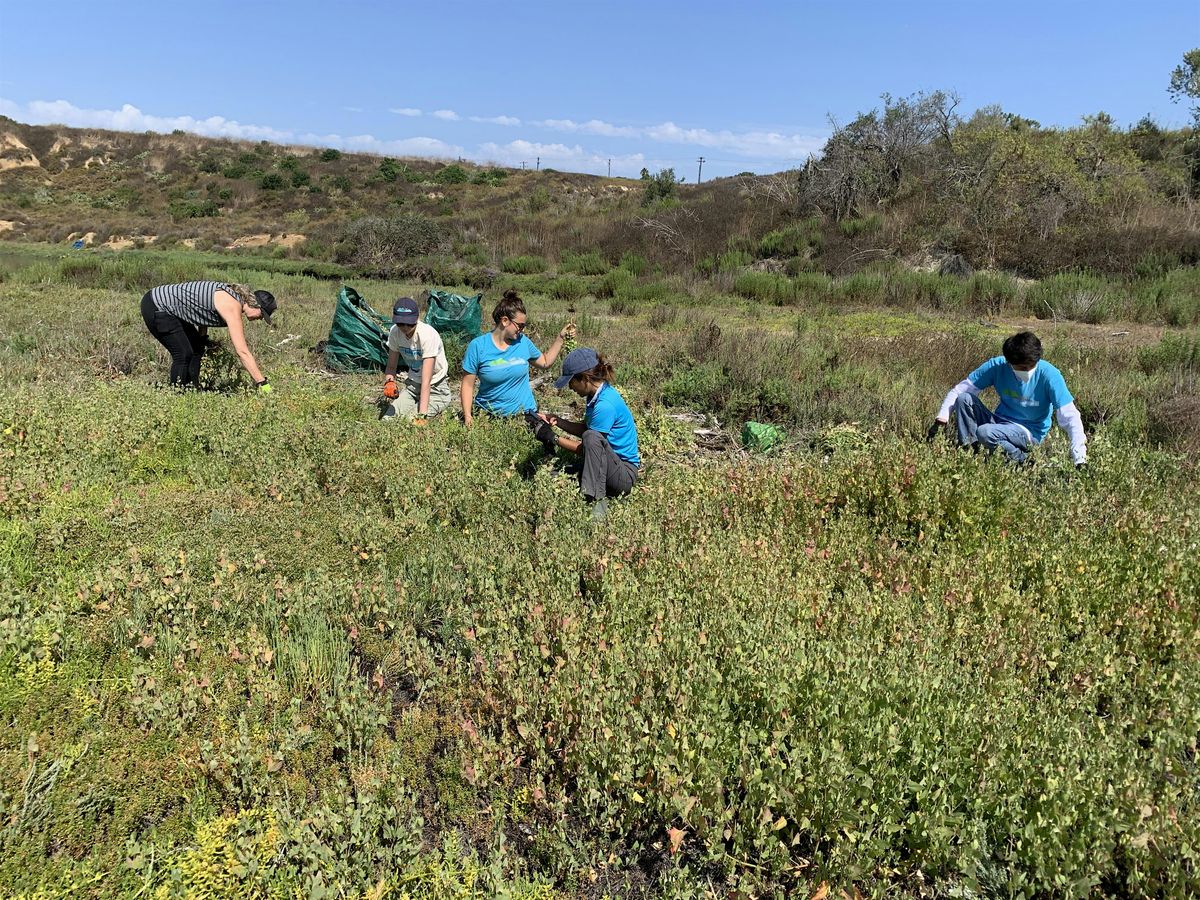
(1030, 390)
(499, 362)
(606, 438)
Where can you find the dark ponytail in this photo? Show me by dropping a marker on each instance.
(602, 371)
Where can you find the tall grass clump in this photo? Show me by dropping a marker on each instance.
(614, 282)
(634, 263)
(797, 239)
(523, 265)
(767, 287)
(568, 287)
(582, 264)
(1076, 296)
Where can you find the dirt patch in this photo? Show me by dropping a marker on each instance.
(253, 241)
(88, 239)
(129, 243)
(250, 241)
(6, 225)
(15, 155)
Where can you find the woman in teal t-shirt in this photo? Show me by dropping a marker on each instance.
(499, 363)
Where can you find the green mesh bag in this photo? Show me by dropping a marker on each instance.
(453, 314)
(358, 336)
(759, 436)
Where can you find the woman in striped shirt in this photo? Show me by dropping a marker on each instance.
(179, 316)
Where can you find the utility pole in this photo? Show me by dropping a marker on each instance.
(699, 169)
(610, 168)
(522, 165)
(539, 164)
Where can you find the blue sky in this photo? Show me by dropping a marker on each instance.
(748, 86)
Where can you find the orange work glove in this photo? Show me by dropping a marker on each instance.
(391, 390)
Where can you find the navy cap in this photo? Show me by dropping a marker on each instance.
(578, 361)
(405, 311)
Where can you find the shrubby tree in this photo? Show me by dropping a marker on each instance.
(381, 245)
(1185, 86)
(661, 186)
(864, 164)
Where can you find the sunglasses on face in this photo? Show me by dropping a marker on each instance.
(520, 326)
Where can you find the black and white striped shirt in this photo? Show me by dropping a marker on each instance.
(191, 302)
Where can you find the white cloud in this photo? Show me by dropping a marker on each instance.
(130, 118)
(405, 111)
(757, 144)
(354, 109)
(497, 120)
(592, 126)
(576, 157)
(447, 115)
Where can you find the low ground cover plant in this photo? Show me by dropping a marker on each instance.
(266, 645)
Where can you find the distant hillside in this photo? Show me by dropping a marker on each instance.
(868, 199)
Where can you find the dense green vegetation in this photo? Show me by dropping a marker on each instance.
(267, 646)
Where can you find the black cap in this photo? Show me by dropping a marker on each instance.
(266, 302)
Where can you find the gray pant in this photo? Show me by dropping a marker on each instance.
(604, 474)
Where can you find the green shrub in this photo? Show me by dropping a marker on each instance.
(582, 264)
(797, 239)
(538, 200)
(451, 174)
(614, 282)
(1076, 296)
(330, 154)
(383, 245)
(235, 170)
(490, 177)
(568, 288)
(662, 186)
(523, 265)
(194, 209)
(390, 169)
(634, 263)
(866, 225)
(272, 181)
(765, 286)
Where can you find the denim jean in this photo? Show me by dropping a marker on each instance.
(978, 424)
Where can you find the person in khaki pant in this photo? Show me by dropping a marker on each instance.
(426, 390)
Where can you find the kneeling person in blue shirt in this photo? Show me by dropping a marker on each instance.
(607, 436)
(1030, 390)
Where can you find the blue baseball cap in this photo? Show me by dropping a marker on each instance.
(578, 361)
(405, 311)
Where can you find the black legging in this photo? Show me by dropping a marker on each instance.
(182, 340)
